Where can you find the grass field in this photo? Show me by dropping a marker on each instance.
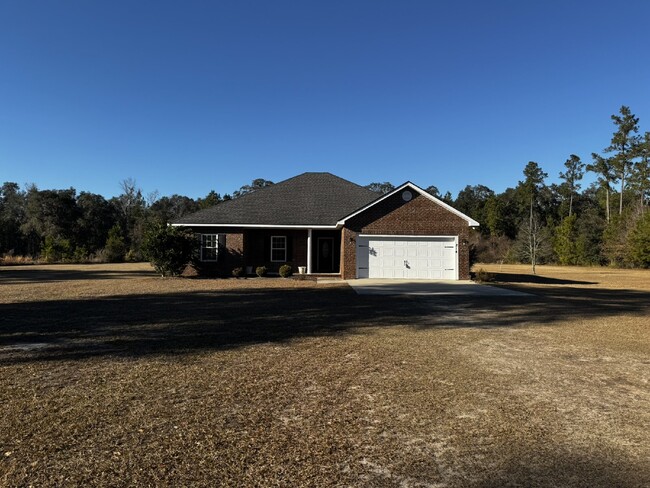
(111, 376)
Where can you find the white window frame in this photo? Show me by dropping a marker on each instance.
(215, 247)
(283, 248)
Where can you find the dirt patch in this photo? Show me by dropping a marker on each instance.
(265, 382)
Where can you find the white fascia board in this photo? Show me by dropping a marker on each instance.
(261, 226)
(409, 236)
(470, 221)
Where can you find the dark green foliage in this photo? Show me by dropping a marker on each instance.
(238, 272)
(169, 249)
(56, 249)
(472, 201)
(565, 242)
(639, 242)
(624, 146)
(285, 271)
(115, 248)
(381, 188)
(168, 209)
(260, 271)
(573, 174)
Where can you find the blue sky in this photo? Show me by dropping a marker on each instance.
(187, 97)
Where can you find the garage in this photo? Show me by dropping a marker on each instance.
(407, 257)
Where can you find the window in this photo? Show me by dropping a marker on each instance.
(209, 247)
(278, 249)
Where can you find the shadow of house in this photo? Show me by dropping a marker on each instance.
(184, 323)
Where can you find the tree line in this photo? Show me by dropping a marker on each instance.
(604, 223)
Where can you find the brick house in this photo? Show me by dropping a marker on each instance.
(331, 226)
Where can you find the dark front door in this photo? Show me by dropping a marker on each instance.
(325, 255)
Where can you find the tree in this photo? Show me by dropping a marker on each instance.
(565, 242)
(210, 200)
(573, 174)
(167, 209)
(605, 171)
(472, 201)
(255, 185)
(640, 177)
(95, 218)
(12, 214)
(532, 230)
(433, 191)
(533, 242)
(381, 188)
(624, 146)
(639, 242)
(49, 213)
(169, 249)
(115, 248)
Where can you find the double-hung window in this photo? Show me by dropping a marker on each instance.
(209, 247)
(278, 249)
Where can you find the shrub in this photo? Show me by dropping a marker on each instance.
(238, 272)
(115, 247)
(56, 249)
(285, 271)
(483, 276)
(169, 249)
(260, 271)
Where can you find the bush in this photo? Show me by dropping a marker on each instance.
(260, 271)
(286, 271)
(169, 249)
(483, 276)
(115, 247)
(56, 249)
(238, 272)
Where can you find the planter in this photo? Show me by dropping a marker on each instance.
(302, 269)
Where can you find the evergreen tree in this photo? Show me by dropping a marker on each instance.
(573, 174)
(624, 146)
(605, 171)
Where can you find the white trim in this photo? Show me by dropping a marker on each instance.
(261, 226)
(215, 247)
(470, 221)
(410, 236)
(278, 249)
(309, 252)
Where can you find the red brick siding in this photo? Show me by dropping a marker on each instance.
(394, 216)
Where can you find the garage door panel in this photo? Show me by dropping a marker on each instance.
(407, 257)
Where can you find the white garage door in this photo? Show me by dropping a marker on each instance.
(432, 258)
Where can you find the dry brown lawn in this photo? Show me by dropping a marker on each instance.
(111, 376)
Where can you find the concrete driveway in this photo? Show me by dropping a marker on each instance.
(370, 286)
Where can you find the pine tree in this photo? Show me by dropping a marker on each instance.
(624, 146)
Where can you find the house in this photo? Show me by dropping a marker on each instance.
(333, 226)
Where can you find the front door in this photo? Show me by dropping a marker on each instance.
(325, 255)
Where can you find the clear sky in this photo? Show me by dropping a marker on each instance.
(186, 97)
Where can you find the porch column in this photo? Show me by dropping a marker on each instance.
(308, 251)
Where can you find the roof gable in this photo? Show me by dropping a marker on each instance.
(470, 221)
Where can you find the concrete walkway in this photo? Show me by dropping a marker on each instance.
(430, 288)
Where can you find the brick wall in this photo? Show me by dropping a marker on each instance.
(394, 216)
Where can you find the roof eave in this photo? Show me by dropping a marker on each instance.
(260, 226)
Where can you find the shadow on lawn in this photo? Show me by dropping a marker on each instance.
(25, 274)
(178, 323)
(536, 279)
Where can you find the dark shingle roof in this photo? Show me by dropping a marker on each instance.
(306, 199)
